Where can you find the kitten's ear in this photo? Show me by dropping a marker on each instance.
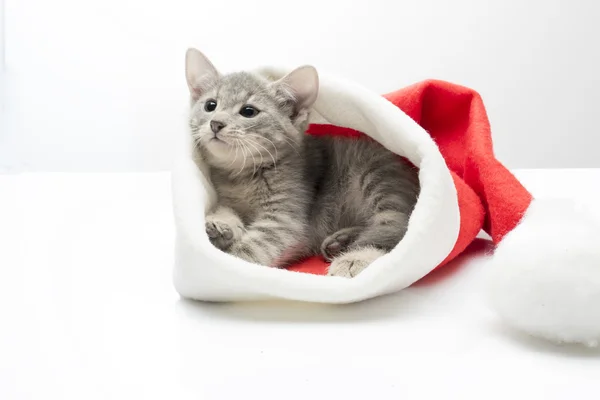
(199, 72)
(303, 83)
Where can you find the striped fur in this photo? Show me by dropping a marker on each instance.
(284, 195)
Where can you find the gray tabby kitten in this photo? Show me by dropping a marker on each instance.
(284, 195)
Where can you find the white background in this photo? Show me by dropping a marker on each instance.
(99, 85)
(86, 299)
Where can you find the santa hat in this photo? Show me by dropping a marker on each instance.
(545, 272)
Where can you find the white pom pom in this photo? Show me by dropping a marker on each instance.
(545, 274)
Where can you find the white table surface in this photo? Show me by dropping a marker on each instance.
(87, 311)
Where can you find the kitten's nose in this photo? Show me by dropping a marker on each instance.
(216, 126)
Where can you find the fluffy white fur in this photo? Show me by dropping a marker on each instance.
(545, 275)
(202, 272)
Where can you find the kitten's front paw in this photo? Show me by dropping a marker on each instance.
(220, 234)
(354, 262)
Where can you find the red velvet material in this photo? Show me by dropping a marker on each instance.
(489, 196)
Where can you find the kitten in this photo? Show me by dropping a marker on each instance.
(284, 195)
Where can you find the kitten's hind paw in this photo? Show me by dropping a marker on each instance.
(354, 262)
(337, 243)
(221, 234)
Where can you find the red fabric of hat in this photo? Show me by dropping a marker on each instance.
(489, 196)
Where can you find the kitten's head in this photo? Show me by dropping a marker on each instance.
(242, 120)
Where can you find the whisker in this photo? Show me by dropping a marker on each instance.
(251, 143)
(235, 159)
(267, 150)
(253, 159)
(230, 150)
(244, 162)
(273, 144)
(252, 155)
(247, 135)
(291, 145)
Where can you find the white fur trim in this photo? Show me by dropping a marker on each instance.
(205, 273)
(545, 274)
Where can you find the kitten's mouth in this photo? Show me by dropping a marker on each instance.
(218, 143)
(216, 139)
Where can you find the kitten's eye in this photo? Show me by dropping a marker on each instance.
(210, 106)
(249, 111)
